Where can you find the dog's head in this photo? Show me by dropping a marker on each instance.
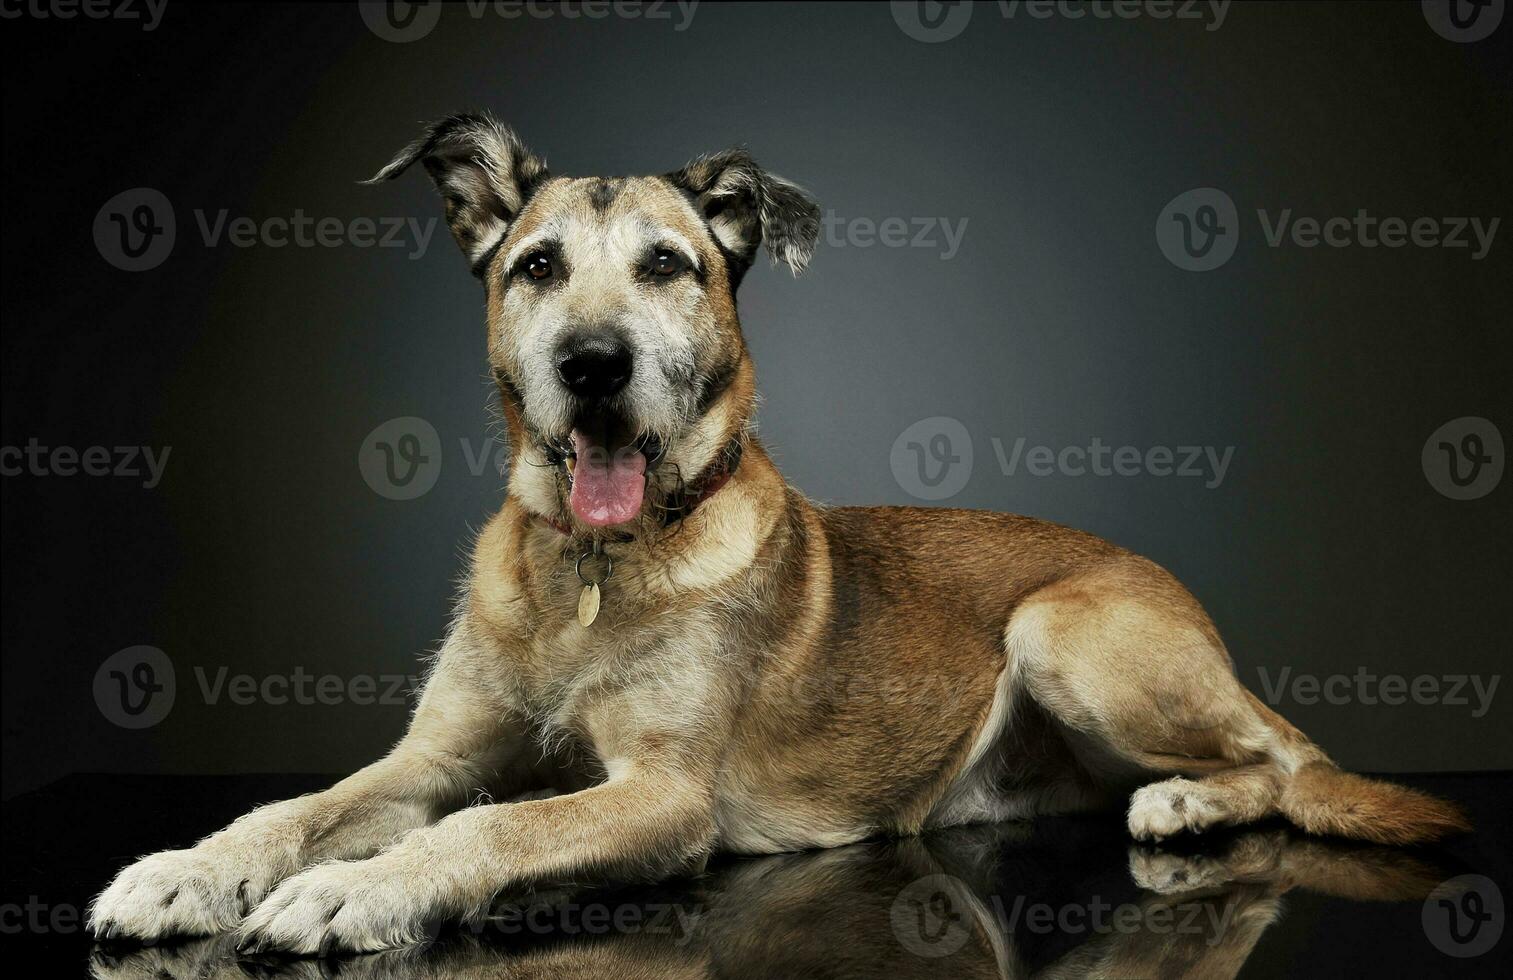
(611, 305)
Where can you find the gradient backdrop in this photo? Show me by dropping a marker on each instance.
(1049, 147)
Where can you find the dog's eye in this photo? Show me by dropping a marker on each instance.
(666, 263)
(538, 266)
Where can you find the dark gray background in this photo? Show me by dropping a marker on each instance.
(1059, 142)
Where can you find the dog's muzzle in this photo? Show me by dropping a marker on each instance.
(608, 462)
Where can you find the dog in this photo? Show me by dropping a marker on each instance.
(692, 655)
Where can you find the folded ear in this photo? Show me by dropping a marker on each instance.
(746, 206)
(485, 175)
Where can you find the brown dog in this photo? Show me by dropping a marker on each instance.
(696, 657)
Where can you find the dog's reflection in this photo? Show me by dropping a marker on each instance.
(1005, 901)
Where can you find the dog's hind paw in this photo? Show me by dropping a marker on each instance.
(1162, 809)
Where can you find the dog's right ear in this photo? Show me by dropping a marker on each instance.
(485, 175)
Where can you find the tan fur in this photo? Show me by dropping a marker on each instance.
(764, 675)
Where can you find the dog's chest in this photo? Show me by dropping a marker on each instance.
(612, 683)
(566, 669)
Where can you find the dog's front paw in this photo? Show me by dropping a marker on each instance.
(193, 892)
(348, 907)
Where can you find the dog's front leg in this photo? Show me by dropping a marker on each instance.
(644, 823)
(463, 737)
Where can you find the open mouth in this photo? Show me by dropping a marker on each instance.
(607, 470)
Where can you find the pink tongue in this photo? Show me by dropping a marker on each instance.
(607, 488)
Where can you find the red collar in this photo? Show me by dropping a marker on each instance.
(685, 502)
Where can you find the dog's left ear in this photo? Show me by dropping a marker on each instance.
(746, 207)
(485, 174)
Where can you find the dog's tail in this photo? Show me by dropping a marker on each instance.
(1321, 798)
(1324, 799)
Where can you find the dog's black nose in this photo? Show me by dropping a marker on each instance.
(594, 367)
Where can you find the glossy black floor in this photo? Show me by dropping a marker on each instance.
(1066, 897)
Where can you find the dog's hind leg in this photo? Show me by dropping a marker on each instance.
(1123, 657)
